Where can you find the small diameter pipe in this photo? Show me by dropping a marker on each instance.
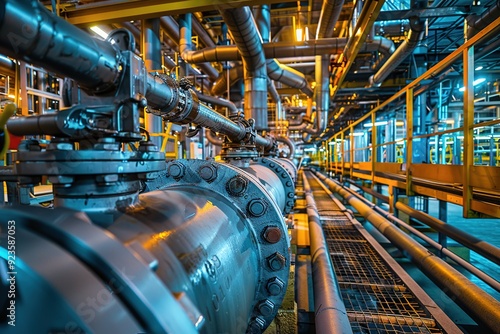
(482, 306)
(481, 247)
(331, 315)
(443, 250)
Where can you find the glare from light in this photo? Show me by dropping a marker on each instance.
(99, 32)
(479, 68)
(379, 123)
(299, 34)
(358, 134)
(475, 83)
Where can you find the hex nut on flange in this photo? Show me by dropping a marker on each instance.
(257, 207)
(276, 261)
(272, 234)
(275, 286)
(237, 186)
(176, 170)
(266, 307)
(256, 325)
(208, 172)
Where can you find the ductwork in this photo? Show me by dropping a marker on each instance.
(477, 23)
(170, 26)
(322, 99)
(242, 26)
(275, 70)
(330, 12)
(415, 35)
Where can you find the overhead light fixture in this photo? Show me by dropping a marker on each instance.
(379, 123)
(99, 32)
(479, 68)
(475, 83)
(299, 34)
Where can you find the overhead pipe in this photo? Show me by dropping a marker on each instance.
(171, 28)
(476, 23)
(415, 36)
(7, 65)
(241, 24)
(322, 100)
(231, 107)
(202, 34)
(220, 84)
(330, 12)
(329, 308)
(484, 307)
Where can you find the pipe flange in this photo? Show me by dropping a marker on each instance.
(257, 212)
(283, 172)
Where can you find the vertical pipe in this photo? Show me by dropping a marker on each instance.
(151, 50)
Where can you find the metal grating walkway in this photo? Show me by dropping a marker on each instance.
(376, 299)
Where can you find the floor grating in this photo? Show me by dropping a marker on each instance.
(376, 299)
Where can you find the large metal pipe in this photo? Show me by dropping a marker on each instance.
(322, 91)
(31, 33)
(330, 12)
(477, 22)
(329, 308)
(204, 249)
(479, 246)
(415, 35)
(241, 24)
(480, 304)
(221, 83)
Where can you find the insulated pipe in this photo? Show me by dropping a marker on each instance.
(330, 12)
(33, 34)
(329, 309)
(273, 92)
(322, 99)
(484, 307)
(415, 35)
(242, 26)
(477, 23)
(481, 247)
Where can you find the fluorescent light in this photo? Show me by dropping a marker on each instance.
(479, 68)
(379, 123)
(358, 134)
(11, 96)
(475, 83)
(99, 31)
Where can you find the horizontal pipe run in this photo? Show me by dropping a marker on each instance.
(370, 191)
(440, 248)
(331, 315)
(481, 247)
(481, 305)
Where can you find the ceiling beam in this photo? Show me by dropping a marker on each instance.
(112, 11)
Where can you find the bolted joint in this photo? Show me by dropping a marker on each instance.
(257, 207)
(237, 186)
(275, 286)
(60, 179)
(272, 234)
(266, 307)
(147, 146)
(176, 170)
(208, 172)
(107, 144)
(276, 261)
(107, 179)
(256, 326)
(29, 145)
